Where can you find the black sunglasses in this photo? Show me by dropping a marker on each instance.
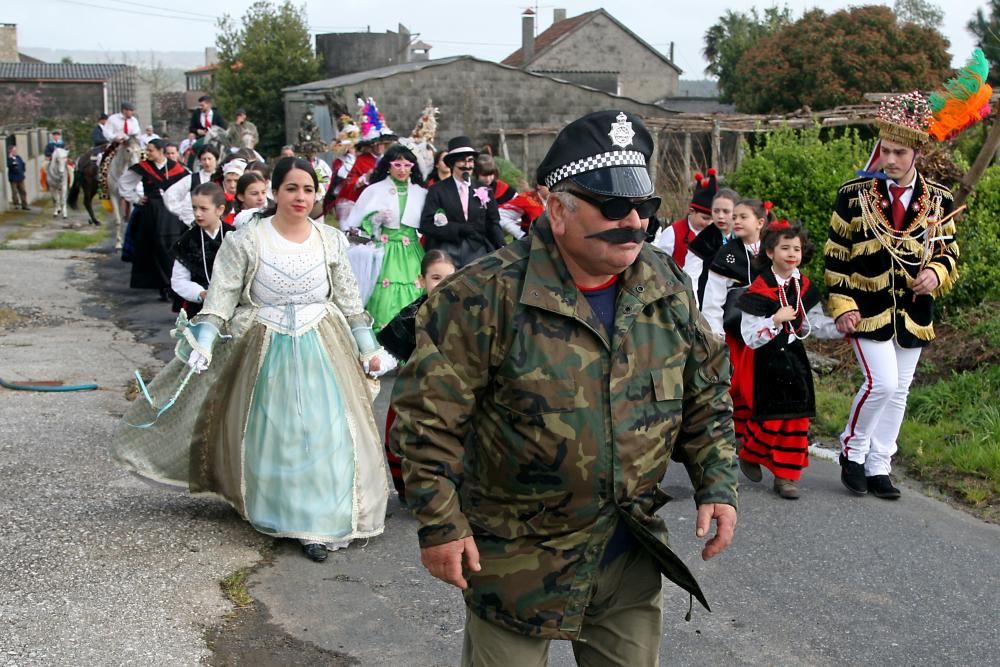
(617, 208)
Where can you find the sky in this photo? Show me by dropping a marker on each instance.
(489, 30)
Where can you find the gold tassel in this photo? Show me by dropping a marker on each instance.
(869, 247)
(873, 284)
(920, 331)
(838, 305)
(945, 285)
(869, 324)
(836, 251)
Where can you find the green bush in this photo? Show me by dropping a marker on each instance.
(800, 172)
(979, 243)
(510, 174)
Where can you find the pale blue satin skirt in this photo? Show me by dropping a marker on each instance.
(298, 468)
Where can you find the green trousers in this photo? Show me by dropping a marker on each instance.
(622, 625)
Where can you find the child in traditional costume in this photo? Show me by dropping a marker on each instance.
(195, 251)
(251, 196)
(703, 249)
(399, 338)
(780, 309)
(273, 410)
(389, 212)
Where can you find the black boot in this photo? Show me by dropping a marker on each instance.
(881, 486)
(315, 551)
(853, 476)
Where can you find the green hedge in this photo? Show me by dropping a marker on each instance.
(979, 242)
(800, 172)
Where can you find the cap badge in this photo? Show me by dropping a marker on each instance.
(621, 132)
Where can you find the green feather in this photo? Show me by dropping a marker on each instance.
(970, 78)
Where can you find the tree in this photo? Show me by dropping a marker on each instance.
(823, 61)
(18, 105)
(920, 12)
(987, 33)
(734, 33)
(269, 49)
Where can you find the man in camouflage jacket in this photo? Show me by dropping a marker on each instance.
(535, 427)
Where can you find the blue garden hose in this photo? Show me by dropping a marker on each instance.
(48, 387)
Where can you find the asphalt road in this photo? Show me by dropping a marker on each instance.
(100, 568)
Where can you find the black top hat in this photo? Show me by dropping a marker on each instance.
(606, 152)
(459, 147)
(705, 188)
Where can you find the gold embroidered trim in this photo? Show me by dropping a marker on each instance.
(838, 305)
(869, 324)
(836, 251)
(946, 279)
(920, 331)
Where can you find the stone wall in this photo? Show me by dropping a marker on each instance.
(600, 44)
(476, 98)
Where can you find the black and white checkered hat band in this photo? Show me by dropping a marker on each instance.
(593, 162)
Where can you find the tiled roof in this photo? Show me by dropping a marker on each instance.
(547, 38)
(39, 71)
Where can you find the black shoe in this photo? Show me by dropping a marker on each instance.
(853, 476)
(314, 551)
(881, 487)
(751, 470)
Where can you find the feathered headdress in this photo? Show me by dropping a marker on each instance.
(911, 119)
(347, 136)
(426, 127)
(964, 101)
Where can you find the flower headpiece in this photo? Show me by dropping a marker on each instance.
(904, 119)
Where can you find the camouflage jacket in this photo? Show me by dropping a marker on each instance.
(871, 271)
(521, 424)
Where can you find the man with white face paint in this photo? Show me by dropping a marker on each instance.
(891, 253)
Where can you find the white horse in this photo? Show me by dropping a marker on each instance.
(127, 155)
(57, 176)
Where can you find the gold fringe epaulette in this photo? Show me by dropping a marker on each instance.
(836, 251)
(939, 189)
(875, 322)
(856, 184)
(873, 284)
(920, 331)
(945, 284)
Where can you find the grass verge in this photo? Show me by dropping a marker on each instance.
(73, 240)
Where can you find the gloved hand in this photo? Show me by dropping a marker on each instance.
(197, 361)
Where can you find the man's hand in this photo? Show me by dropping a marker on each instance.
(725, 524)
(445, 560)
(848, 322)
(925, 282)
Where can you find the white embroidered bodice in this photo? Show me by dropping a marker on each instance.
(291, 284)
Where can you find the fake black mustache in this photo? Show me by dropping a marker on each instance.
(620, 235)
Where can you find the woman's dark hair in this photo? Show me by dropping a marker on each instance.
(281, 170)
(432, 257)
(783, 229)
(261, 168)
(760, 209)
(208, 148)
(397, 152)
(437, 157)
(212, 191)
(159, 143)
(246, 180)
(727, 193)
(485, 166)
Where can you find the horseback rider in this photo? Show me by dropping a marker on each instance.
(97, 137)
(205, 117)
(55, 142)
(240, 128)
(122, 125)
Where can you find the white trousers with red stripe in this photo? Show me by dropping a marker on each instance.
(878, 408)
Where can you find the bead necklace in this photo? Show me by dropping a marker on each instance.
(799, 309)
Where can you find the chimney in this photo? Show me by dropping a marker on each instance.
(527, 36)
(671, 52)
(8, 43)
(558, 15)
(211, 56)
